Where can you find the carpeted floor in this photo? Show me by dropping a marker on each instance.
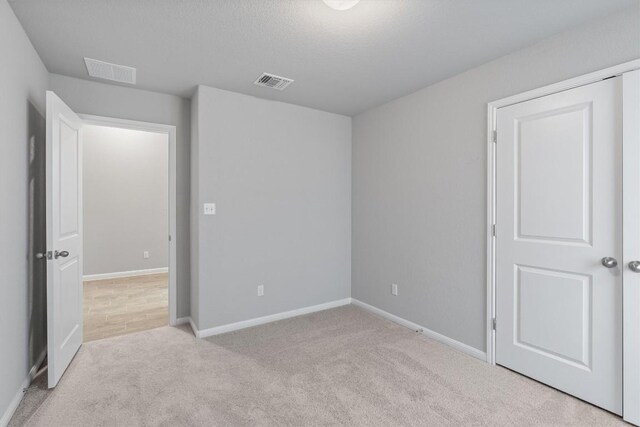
(338, 367)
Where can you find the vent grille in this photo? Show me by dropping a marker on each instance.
(273, 81)
(109, 71)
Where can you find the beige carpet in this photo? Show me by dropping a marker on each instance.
(338, 367)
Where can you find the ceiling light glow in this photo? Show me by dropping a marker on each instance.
(341, 4)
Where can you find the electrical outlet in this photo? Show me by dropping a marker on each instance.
(145, 254)
(209, 208)
(260, 290)
(394, 289)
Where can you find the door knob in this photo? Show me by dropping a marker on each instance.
(609, 262)
(634, 266)
(62, 254)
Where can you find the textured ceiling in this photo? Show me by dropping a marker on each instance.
(343, 62)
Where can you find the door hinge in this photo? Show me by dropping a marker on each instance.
(495, 136)
(494, 323)
(493, 230)
(169, 237)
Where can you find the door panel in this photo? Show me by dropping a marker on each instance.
(559, 212)
(64, 233)
(555, 140)
(564, 333)
(68, 180)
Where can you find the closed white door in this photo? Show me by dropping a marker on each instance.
(559, 238)
(631, 267)
(64, 236)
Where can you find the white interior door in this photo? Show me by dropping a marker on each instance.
(559, 213)
(64, 236)
(631, 267)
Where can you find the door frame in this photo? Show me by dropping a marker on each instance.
(170, 131)
(492, 112)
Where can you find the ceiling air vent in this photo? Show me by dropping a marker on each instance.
(274, 82)
(109, 71)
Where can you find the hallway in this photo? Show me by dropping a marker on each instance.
(124, 305)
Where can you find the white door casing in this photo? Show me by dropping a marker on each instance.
(559, 212)
(64, 234)
(631, 222)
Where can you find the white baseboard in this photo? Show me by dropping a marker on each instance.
(467, 349)
(118, 274)
(34, 369)
(15, 402)
(194, 328)
(267, 319)
(181, 321)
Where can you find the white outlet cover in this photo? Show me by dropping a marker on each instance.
(145, 254)
(394, 289)
(260, 290)
(209, 208)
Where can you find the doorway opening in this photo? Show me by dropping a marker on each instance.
(128, 273)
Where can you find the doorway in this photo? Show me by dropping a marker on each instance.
(562, 280)
(64, 226)
(559, 288)
(156, 282)
(125, 227)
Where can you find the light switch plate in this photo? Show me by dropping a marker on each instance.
(209, 208)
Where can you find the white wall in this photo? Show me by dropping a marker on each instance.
(23, 82)
(125, 200)
(280, 177)
(101, 99)
(419, 179)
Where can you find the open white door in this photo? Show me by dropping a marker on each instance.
(631, 267)
(64, 236)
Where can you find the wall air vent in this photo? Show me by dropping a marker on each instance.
(108, 71)
(273, 82)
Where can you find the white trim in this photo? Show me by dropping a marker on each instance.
(15, 402)
(471, 351)
(171, 132)
(267, 319)
(572, 83)
(131, 273)
(17, 398)
(34, 369)
(457, 345)
(492, 109)
(194, 328)
(631, 246)
(182, 321)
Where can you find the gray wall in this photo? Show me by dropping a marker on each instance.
(280, 177)
(126, 200)
(90, 97)
(419, 179)
(23, 82)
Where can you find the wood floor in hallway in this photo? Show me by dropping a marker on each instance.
(124, 305)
